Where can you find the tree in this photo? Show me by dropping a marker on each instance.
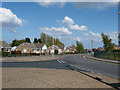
(48, 40)
(82, 50)
(108, 46)
(80, 47)
(43, 37)
(39, 40)
(57, 42)
(35, 40)
(27, 40)
(17, 42)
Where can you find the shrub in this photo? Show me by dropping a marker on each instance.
(4, 54)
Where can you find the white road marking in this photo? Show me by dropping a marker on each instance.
(59, 61)
(62, 61)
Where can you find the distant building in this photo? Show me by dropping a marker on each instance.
(100, 49)
(73, 47)
(4, 46)
(32, 48)
(88, 50)
(116, 47)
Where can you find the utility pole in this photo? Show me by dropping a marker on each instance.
(92, 44)
(118, 26)
(92, 47)
(53, 48)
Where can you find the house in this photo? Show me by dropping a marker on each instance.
(73, 47)
(70, 49)
(58, 49)
(115, 47)
(32, 48)
(41, 47)
(100, 49)
(13, 48)
(4, 46)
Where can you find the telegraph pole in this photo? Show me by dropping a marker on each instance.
(92, 44)
(53, 48)
(118, 27)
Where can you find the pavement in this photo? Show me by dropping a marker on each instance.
(44, 72)
(100, 59)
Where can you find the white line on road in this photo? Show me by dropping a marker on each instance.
(62, 61)
(59, 61)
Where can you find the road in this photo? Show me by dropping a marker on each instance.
(71, 61)
(93, 66)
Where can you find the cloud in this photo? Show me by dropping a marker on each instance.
(95, 34)
(97, 5)
(70, 23)
(56, 31)
(96, 37)
(80, 28)
(67, 20)
(9, 20)
(113, 35)
(79, 3)
(48, 3)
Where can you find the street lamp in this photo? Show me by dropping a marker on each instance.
(53, 48)
(118, 29)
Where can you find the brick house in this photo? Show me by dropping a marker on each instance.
(32, 48)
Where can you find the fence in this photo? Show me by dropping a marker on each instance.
(113, 55)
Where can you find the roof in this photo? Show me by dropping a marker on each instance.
(30, 45)
(39, 45)
(73, 46)
(4, 44)
(61, 46)
(34, 45)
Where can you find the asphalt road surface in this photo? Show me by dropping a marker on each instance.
(93, 66)
(77, 62)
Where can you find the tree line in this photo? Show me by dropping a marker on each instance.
(107, 44)
(44, 38)
(48, 40)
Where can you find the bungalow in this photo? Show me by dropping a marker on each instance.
(100, 49)
(32, 48)
(4, 46)
(115, 47)
(58, 49)
(70, 49)
(73, 47)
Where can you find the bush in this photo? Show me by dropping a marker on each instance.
(4, 54)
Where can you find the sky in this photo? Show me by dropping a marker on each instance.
(68, 21)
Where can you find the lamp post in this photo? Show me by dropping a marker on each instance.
(118, 29)
(53, 48)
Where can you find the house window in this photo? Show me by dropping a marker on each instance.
(24, 50)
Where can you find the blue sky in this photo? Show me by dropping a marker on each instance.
(67, 21)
